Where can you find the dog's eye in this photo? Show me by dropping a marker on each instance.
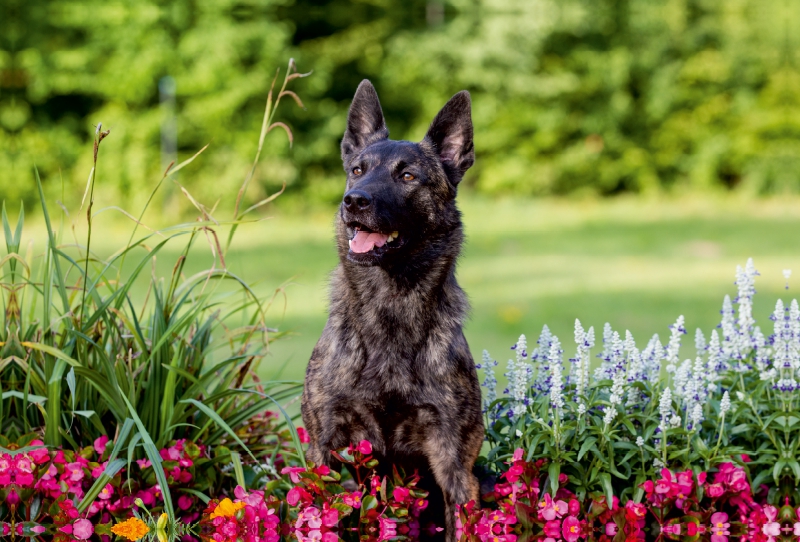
(357, 171)
(408, 177)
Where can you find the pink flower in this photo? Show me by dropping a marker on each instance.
(185, 502)
(293, 473)
(551, 509)
(330, 516)
(719, 527)
(514, 472)
(310, 516)
(293, 496)
(746, 458)
(106, 493)
(388, 526)
(571, 529)
(611, 528)
(352, 499)
(715, 490)
(365, 447)
(82, 529)
(100, 444)
(74, 471)
(675, 529)
(517, 455)
(738, 481)
(39, 455)
(772, 528)
(574, 507)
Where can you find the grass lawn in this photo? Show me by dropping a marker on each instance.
(635, 263)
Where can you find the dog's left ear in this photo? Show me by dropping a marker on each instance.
(451, 135)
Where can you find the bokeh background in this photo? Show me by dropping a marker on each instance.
(629, 152)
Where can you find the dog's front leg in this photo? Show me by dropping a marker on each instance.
(451, 464)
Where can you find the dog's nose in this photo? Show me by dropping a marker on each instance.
(357, 200)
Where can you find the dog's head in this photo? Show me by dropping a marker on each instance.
(400, 193)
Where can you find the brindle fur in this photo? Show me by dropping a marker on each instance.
(392, 364)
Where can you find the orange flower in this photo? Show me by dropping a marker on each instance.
(226, 508)
(132, 529)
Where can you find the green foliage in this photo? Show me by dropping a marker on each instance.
(645, 409)
(81, 357)
(569, 96)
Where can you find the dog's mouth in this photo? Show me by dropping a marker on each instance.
(363, 240)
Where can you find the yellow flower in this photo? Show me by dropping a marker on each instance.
(226, 508)
(133, 529)
(161, 528)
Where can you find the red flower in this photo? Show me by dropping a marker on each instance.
(302, 434)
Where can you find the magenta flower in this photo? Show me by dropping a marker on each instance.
(552, 529)
(715, 490)
(293, 496)
(39, 455)
(401, 494)
(365, 447)
(100, 444)
(571, 529)
(388, 527)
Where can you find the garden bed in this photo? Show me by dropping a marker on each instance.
(130, 417)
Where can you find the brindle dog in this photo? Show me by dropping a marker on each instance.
(392, 365)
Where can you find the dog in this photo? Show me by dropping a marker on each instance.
(392, 365)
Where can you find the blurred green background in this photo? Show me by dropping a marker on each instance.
(629, 152)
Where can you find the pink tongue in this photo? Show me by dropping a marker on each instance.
(365, 241)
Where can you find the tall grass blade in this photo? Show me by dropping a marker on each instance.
(155, 458)
(221, 423)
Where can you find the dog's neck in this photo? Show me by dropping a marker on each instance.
(406, 295)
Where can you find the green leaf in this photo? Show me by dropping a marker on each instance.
(154, 456)
(778, 470)
(554, 470)
(109, 472)
(36, 399)
(238, 471)
(221, 423)
(586, 446)
(608, 490)
(199, 494)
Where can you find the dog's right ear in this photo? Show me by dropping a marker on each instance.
(365, 123)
